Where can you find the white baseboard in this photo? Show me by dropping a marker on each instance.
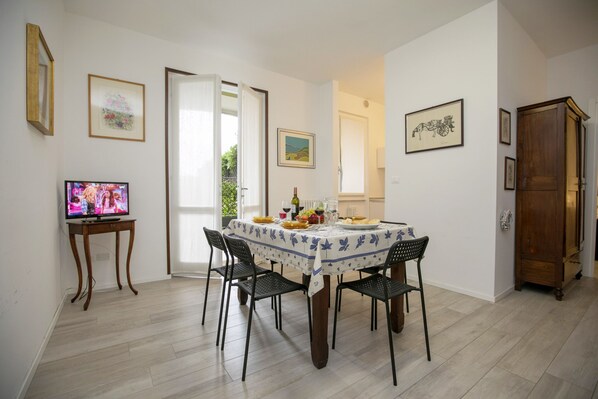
(453, 288)
(504, 294)
(112, 285)
(42, 348)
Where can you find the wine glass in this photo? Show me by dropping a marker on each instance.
(320, 209)
(286, 207)
(332, 208)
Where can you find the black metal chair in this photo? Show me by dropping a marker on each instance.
(270, 285)
(374, 270)
(228, 272)
(381, 288)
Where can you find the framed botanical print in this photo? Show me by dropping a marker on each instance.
(504, 129)
(116, 109)
(509, 173)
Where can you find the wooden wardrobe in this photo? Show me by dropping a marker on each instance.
(550, 193)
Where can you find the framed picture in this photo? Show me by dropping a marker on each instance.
(436, 127)
(504, 123)
(296, 149)
(509, 173)
(116, 109)
(40, 81)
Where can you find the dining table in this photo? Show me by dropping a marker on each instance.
(321, 251)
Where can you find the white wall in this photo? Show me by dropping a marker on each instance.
(448, 194)
(521, 81)
(31, 183)
(574, 74)
(98, 48)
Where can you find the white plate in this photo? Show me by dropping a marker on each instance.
(357, 226)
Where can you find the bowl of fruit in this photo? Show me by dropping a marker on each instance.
(310, 216)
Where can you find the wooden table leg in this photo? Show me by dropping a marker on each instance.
(89, 270)
(120, 286)
(241, 295)
(78, 262)
(397, 317)
(319, 343)
(131, 239)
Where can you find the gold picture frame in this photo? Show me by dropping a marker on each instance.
(40, 81)
(116, 109)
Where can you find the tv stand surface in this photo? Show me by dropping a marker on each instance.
(101, 220)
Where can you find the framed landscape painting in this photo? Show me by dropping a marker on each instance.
(436, 127)
(296, 149)
(116, 109)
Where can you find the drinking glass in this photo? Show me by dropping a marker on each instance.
(332, 208)
(286, 207)
(320, 209)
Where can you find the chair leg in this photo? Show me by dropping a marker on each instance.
(247, 339)
(205, 299)
(280, 312)
(338, 293)
(221, 309)
(372, 315)
(226, 314)
(375, 315)
(340, 298)
(275, 302)
(390, 344)
(406, 295)
(425, 324)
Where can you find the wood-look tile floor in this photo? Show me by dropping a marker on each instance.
(154, 346)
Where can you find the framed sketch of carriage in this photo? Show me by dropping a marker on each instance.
(436, 127)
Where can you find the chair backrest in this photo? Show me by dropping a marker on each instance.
(239, 249)
(215, 239)
(402, 251)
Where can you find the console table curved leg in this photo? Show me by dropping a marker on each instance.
(131, 239)
(89, 270)
(120, 286)
(78, 262)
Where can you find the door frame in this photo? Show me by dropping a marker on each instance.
(167, 72)
(591, 189)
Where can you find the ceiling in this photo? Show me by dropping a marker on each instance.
(322, 40)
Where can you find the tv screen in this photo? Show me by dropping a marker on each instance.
(87, 199)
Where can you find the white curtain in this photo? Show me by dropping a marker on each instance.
(195, 169)
(251, 166)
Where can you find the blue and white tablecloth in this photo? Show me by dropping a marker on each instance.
(329, 250)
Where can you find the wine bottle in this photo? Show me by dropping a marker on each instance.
(294, 204)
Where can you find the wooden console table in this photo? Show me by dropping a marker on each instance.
(88, 228)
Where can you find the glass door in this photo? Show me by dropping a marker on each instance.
(195, 170)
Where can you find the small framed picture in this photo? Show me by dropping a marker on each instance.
(296, 149)
(509, 173)
(436, 127)
(504, 130)
(116, 109)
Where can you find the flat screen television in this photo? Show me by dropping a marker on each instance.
(102, 201)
